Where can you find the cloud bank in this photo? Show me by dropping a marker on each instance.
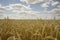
(32, 1)
(19, 11)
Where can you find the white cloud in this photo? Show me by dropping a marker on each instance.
(25, 12)
(33, 1)
(31, 12)
(15, 8)
(45, 5)
(19, 6)
(39, 1)
(7, 7)
(18, 11)
(55, 3)
(55, 11)
(49, 3)
(2, 10)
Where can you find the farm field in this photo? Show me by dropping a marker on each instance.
(29, 29)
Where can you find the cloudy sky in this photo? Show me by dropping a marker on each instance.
(30, 9)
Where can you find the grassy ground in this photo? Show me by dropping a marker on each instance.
(29, 29)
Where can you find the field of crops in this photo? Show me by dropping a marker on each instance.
(29, 29)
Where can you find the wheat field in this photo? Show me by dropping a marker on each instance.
(29, 29)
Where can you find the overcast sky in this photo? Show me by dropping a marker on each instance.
(30, 9)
